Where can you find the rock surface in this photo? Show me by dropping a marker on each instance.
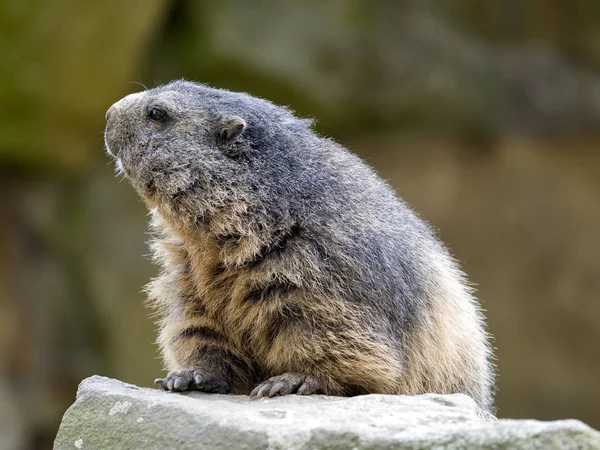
(112, 414)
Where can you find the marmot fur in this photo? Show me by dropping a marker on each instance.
(288, 265)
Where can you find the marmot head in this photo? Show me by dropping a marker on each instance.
(197, 151)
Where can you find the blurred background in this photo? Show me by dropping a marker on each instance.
(483, 114)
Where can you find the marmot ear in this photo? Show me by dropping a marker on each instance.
(233, 126)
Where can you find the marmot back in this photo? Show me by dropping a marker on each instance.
(288, 265)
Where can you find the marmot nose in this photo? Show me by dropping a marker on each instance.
(109, 112)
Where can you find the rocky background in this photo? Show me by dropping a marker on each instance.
(484, 115)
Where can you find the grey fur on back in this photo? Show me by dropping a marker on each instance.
(281, 200)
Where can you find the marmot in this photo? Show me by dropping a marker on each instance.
(288, 265)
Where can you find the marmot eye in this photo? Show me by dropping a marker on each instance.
(157, 115)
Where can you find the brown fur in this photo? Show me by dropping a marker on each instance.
(200, 287)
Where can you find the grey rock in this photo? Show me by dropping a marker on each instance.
(112, 414)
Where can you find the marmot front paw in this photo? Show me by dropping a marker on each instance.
(193, 380)
(288, 383)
